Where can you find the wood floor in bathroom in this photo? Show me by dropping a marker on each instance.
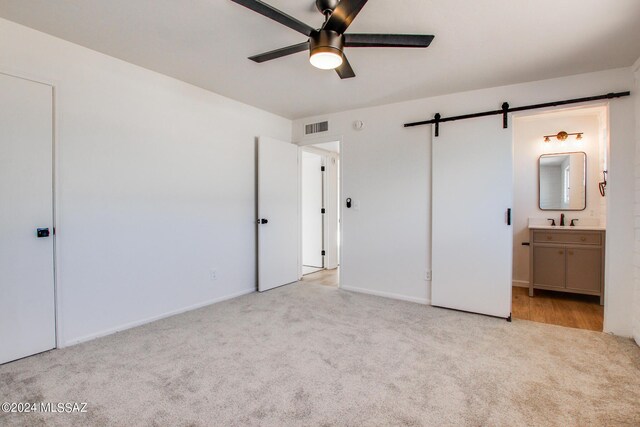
(557, 308)
(323, 277)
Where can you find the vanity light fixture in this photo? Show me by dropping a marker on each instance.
(562, 136)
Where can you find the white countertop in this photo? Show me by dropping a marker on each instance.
(568, 227)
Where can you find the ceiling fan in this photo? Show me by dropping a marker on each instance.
(326, 44)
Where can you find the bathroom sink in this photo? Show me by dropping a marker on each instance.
(567, 227)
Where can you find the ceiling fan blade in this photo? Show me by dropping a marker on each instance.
(344, 14)
(345, 71)
(387, 40)
(279, 53)
(278, 16)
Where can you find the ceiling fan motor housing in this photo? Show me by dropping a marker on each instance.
(326, 41)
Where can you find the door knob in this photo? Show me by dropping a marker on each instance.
(42, 232)
(263, 221)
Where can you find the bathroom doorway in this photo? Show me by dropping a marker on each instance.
(320, 213)
(560, 216)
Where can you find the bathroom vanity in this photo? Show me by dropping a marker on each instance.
(567, 259)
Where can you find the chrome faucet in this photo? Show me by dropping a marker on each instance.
(561, 220)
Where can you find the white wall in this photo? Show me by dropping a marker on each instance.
(386, 244)
(155, 186)
(528, 147)
(636, 304)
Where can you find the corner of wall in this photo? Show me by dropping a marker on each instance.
(636, 259)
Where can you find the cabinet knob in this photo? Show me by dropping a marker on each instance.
(560, 252)
(583, 238)
(570, 252)
(549, 237)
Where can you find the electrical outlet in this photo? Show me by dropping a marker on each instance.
(213, 274)
(427, 275)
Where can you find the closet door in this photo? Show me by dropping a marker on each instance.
(278, 213)
(27, 310)
(472, 240)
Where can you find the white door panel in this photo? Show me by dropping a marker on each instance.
(27, 310)
(278, 204)
(312, 238)
(472, 243)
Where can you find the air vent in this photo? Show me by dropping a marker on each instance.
(316, 127)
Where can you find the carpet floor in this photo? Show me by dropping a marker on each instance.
(313, 355)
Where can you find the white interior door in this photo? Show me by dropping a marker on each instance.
(312, 231)
(278, 213)
(27, 311)
(472, 242)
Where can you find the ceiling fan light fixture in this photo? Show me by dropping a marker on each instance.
(326, 60)
(325, 49)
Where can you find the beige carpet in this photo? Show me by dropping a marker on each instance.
(312, 355)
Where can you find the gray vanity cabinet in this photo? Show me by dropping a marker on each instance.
(584, 269)
(549, 265)
(567, 260)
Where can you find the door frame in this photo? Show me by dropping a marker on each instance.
(606, 105)
(309, 143)
(19, 74)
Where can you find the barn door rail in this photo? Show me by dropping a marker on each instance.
(506, 109)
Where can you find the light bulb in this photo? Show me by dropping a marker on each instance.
(326, 60)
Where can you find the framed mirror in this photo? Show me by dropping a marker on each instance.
(562, 182)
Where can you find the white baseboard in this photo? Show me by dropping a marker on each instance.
(520, 283)
(130, 325)
(391, 295)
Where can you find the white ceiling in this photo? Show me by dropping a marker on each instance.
(478, 44)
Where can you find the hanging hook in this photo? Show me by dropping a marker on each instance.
(602, 186)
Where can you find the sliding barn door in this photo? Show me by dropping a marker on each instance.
(27, 309)
(278, 206)
(472, 240)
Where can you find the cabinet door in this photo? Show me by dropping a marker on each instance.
(584, 269)
(549, 266)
